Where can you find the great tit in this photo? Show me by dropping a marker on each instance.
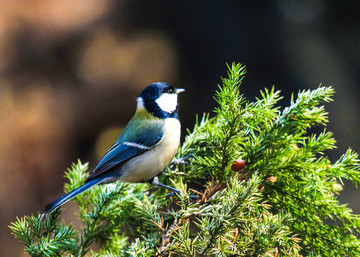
(146, 146)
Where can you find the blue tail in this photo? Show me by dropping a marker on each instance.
(52, 206)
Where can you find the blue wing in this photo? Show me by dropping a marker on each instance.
(142, 133)
(136, 142)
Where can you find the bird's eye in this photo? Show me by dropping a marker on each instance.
(170, 90)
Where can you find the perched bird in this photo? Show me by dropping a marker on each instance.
(145, 147)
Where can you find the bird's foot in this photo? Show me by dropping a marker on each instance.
(177, 192)
(156, 182)
(185, 160)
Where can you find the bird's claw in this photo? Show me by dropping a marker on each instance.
(191, 197)
(185, 160)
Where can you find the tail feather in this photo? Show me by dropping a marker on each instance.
(52, 206)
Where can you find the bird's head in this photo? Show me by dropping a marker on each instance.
(160, 99)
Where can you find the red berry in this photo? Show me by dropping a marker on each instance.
(271, 179)
(237, 165)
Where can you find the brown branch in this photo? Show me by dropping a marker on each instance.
(209, 192)
(166, 237)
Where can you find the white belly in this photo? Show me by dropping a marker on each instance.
(151, 163)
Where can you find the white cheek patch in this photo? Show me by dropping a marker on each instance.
(167, 102)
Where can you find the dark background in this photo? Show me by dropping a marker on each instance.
(70, 72)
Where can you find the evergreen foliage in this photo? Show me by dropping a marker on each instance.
(282, 203)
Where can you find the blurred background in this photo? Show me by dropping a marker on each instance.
(70, 72)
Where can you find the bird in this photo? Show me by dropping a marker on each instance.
(146, 146)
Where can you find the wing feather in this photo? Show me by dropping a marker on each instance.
(122, 151)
